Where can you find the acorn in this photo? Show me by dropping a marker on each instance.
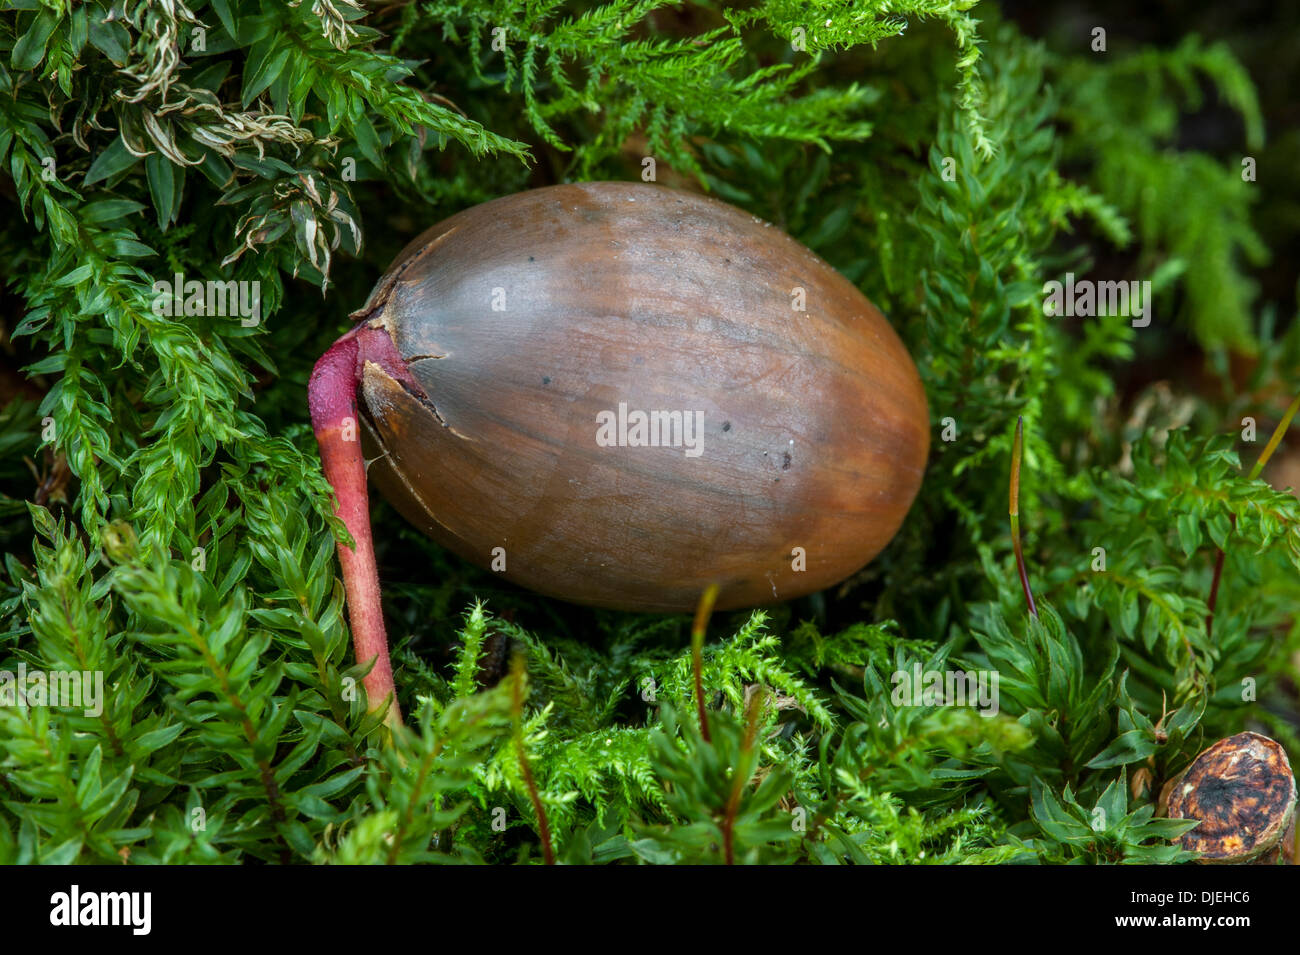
(616, 394)
(1242, 791)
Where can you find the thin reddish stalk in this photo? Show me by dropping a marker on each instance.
(741, 778)
(703, 610)
(332, 398)
(530, 783)
(1214, 586)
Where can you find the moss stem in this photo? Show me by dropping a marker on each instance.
(517, 686)
(703, 611)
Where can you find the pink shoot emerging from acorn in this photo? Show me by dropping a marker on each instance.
(332, 397)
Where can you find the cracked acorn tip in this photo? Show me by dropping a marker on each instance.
(1242, 792)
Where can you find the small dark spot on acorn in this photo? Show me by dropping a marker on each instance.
(728, 261)
(785, 462)
(531, 259)
(546, 379)
(726, 426)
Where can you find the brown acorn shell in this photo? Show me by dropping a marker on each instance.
(815, 426)
(1244, 794)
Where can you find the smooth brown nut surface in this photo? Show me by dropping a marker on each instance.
(525, 318)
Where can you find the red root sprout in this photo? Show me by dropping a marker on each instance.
(332, 397)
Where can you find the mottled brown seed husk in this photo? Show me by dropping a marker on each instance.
(816, 429)
(1244, 794)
